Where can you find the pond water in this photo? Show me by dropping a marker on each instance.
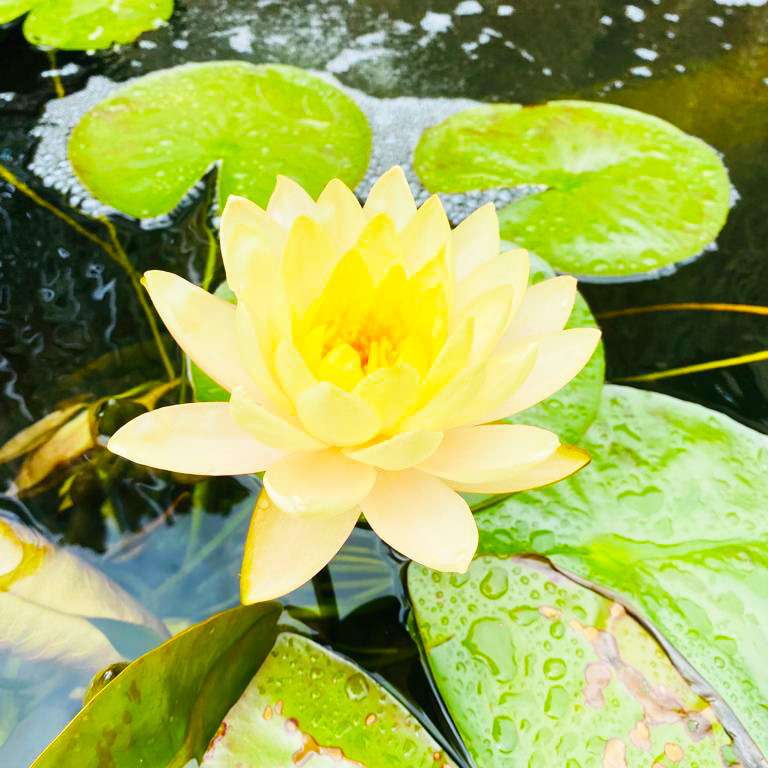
(71, 326)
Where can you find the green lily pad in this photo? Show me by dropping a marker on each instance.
(308, 705)
(254, 121)
(538, 671)
(164, 708)
(81, 26)
(626, 192)
(569, 412)
(670, 515)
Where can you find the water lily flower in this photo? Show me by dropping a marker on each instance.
(369, 353)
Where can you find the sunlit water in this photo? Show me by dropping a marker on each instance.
(70, 325)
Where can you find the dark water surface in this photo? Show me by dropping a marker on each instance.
(70, 325)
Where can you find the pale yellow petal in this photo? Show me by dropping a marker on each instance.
(503, 374)
(508, 268)
(283, 433)
(566, 460)
(308, 261)
(490, 314)
(202, 324)
(340, 213)
(392, 195)
(256, 361)
(452, 358)
(378, 246)
(391, 392)
(284, 551)
(489, 452)
(318, 483)
(288, 201)
(545, 308)
(560, 357)
(292, 371)
(337, 417)
(476, 240)
(424, 235)
(423, 519)
(399, 452)
(195, 439)
(250, 241)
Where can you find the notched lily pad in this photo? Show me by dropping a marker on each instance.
(670, 515)
(625, 192)
(538, 671)
(307, 706)
(81, 26)
(254, 121)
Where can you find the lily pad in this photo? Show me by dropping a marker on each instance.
(254, 121)
(625, 192)
(164, 708)
(308, 705)
(538, 671)
(670, 516)
(81, 26)
(569, 412)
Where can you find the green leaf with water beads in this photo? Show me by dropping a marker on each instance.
(308, 705)
(625, 192)
(81, 26)
(254, 121)
(536, 670)
(670, 516)
(164, 708)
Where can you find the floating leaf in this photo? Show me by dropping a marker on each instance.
(569, 412)
(57, 609)
(307, 705)
(163, 709)
(538, 671)
(255, 121)
(36, 434)
(670, 515)
(78, 26)
(626, 192)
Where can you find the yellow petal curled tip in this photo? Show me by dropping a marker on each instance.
(322, 483)
(369, 351)
(422, 518)
(284, 551)
(202, 324)
(564, 462)
(195, 439)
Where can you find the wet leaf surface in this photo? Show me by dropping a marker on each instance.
(306, 705)
(670, 517)
(164, 708)
(255, 121)
(75, 25)
(539, 671)
(624, 192)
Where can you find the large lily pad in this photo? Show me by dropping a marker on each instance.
(670, 515)
(163, 709)
(78, 25)
(307, 705)
(254, 121)
(625, 192)
(538, 671)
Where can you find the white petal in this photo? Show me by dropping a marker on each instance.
(195, 439)
(476, 240)
(288, 201)
(399, 452)
(545, 308)
(392, 195)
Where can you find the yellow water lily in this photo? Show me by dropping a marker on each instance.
(369, 352)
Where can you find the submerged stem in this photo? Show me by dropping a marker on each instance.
(325, 595)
